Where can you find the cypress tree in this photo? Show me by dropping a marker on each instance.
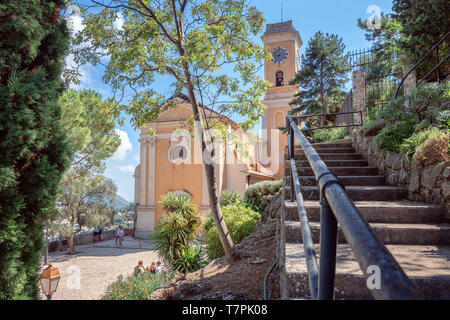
(33, 149)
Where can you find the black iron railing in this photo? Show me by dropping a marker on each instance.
(336, 207)
(435, 68)
(336, 125)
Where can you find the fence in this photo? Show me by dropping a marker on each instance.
(382, 76)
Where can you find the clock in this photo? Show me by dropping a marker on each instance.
(279, 54)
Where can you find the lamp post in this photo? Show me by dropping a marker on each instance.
(49, 281)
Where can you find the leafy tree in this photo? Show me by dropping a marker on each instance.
(322, 77)
(34, 154)
(423, 23)
(87, 201)
(188, 42)
(89, 122)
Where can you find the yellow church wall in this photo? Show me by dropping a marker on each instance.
(173, 177)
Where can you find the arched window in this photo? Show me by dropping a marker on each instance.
(279, 78)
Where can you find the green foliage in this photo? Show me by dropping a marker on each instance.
(137, 287)
(86, 201)
(372, 127)
(34, 154)
(190, 259)
(409, 145)
(220, 34)
(240, 220)
(228, 198)
(90, 123)
(323, 135)
(435, 149)
(323, 76)
(391, 137)
(423, 23)
(177, 227)
(259, 195)
(428, 106)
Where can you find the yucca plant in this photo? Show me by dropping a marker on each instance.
(190, 259)
(177, 227)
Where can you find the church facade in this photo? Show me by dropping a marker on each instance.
(171, 160)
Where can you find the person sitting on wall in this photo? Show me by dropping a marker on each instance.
(139, 268)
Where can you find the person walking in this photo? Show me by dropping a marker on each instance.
(121, 235)
(117, 236)
(100, 231)
(95, 231)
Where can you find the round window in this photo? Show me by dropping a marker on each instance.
(178, 153)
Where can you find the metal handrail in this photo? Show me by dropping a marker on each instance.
(421, 60)
(336, 207)
(308, 244)
(304, 116)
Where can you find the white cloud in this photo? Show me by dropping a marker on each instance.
(118, 23)
(125, 145)
(137, 159)
(129, 168)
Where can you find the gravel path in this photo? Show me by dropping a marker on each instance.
(85, 275)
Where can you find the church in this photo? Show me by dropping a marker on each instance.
(171, 161)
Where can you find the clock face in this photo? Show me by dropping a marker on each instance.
(279, 54)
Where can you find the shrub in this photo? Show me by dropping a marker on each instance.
(177, 227)
(324, 135)
(190, 259)
(229, 198)
(372, 128)
(392, 136)
(240, 221)
(409, 145)
(259, 195)
(435, 149)
(137, 287)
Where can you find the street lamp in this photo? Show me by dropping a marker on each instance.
(49, 281)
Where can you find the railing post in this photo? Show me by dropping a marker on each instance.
(328, 244)
(292, 156)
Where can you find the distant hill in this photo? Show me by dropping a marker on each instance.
(120, 203)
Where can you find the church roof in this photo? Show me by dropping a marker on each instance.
(186, 98)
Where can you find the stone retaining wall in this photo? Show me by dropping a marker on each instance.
(430, 184)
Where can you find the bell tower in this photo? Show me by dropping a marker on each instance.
(284, 43)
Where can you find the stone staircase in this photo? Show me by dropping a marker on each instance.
(415, 233)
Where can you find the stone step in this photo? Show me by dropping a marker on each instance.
(360, 193)
(346, 180)
(339, 171)
(327, 150)
(329, 156)
(427, 266)
(328, 145)
(378, 211)
(388, 233)
(330, 163)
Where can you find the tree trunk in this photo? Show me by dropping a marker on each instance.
(71, 244)
(222, 229)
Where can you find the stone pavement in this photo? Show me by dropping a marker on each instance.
(86, 274)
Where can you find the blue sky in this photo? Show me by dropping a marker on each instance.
(332, 16)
